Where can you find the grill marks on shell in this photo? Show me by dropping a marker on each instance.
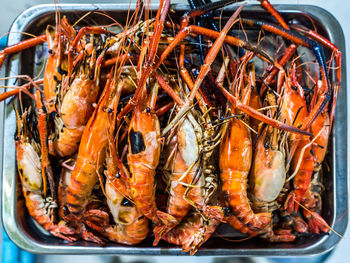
(137, 142)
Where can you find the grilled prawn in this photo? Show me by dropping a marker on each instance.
(28, 163)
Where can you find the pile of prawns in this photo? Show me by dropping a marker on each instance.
(168, 124)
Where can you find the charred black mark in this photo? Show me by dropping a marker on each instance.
(127, 202)
(287, 219)
(137, 142)
(106, 48)
(296, 115)
(76, 196)
(78, 182)
(53, 115)
(74, 206)
(76, 213)
(317, 189)
(65, 210)
(126, 98)
(61, 71)
(227, 211)
(50, 51)
(266, 144)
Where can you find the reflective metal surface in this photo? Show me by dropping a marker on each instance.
(27, 235)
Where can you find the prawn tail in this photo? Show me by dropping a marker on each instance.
(96, 219)
(200, 237)
(168, 222)
(278, 236)
(316, 223)
(290, 205)
(299, 225)
(215, 212)
(63, 231)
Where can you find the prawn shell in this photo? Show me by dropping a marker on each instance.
(319, 148)
(91, 152)
(143, 158)
(187, 140)
(77, 103)
(270, 179)
(131, 227)
(268, 173)
(28, 163)
(67, 142)
(125, 215)
(51, 76)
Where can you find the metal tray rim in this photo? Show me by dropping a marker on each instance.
(12, 228)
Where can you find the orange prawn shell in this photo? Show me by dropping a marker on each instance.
(177, 205)
(131, 227)
(191, 233)
(91, 152)
(294, 109)
(235, 162)
(230, 154)
(67, 142)
(143, 163)
(319, 148)
(293, 102)
(148, 125)
(51, 76)
(77, 102)
(84, 176)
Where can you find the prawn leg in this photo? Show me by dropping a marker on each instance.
(148, 67)
(46, 169)
(319, 54)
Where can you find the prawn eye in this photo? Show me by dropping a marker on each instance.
(266, 144)
(136, 141)
(126, 202)
(227, 211)
(65, 210)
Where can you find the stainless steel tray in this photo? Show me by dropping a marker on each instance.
(26, 234)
